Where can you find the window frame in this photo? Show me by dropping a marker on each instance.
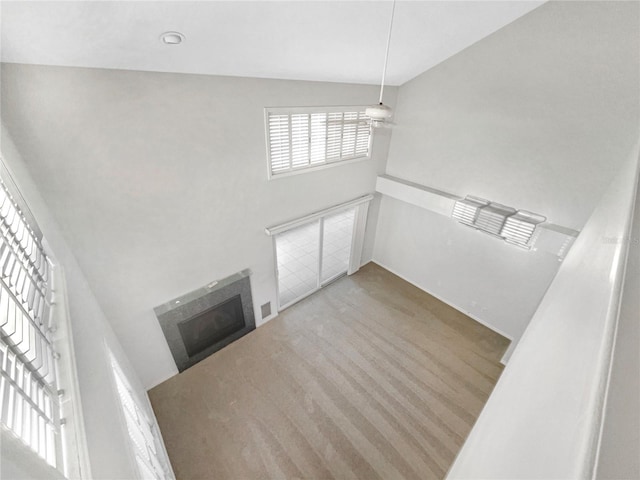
(327, 163)
(361, 205)
(75, 449)
(143, 408)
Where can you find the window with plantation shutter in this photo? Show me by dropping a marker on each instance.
(151, 458)
(40, 416)
(302, 138)
(29, 402)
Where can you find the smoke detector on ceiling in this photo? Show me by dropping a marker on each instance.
(172, 38)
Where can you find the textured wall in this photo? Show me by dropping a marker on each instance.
(621, 435)
(159, 182)
(538, 116)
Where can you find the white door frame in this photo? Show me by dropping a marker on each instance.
(361, 205)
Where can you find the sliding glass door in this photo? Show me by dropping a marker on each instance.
(298, 253)
(313, 254)
(337, 235)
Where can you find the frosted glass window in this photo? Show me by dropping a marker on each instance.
(297, 252)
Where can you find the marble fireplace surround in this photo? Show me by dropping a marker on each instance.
(186, 307)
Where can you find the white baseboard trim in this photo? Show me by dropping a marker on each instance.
(512, 345)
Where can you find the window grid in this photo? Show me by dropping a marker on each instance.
(307, 137)
(29, 405)
(143, 431)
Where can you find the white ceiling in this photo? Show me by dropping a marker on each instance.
(340, 41)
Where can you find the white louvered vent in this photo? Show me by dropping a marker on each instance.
(514, 226)
(305, 137)
(519, 228)
(492, 217)
(466, 210)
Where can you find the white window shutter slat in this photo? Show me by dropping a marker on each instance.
(28, 401)
(142, 430)
(299, 140)
(363, 135)
(318, 138)
(349, 134)
(334, 136)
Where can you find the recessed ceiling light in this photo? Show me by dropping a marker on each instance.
(172, 38)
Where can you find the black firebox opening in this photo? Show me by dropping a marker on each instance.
(211, 326)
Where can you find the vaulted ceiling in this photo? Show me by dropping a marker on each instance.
(338, 41)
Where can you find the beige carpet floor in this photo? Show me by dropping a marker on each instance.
(370, 378)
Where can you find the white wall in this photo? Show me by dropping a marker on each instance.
(536, 116)
(619, 452)
(159, 182)
(543, 418)
(107, 440)
(497, 283)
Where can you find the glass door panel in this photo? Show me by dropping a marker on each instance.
(337, 233)
(297, 254)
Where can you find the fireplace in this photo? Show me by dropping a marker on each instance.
(202, 322)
